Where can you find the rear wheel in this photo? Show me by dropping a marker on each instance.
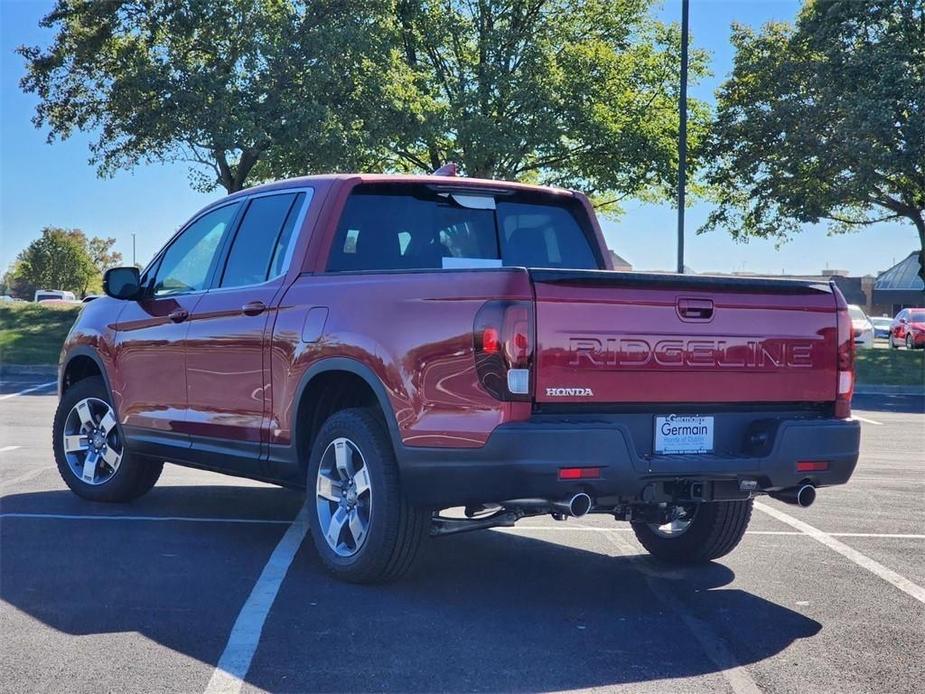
(89, 449)
(364, 529)
(705, 531)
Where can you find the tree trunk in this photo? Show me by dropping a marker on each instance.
(919, 222)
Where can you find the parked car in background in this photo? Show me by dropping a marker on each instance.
(882, 326)
(908, 329)
(48, 294)
(861, 326)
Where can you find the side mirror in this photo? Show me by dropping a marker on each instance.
(122, 283)
(903, 320)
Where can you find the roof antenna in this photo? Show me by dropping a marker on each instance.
(448, 169)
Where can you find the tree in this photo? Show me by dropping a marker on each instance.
(101, 254)
(578, 93)
(824, 120)
(58, 259)
(230, 86)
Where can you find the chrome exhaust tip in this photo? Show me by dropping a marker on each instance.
(577, 506)
(806, 495)
(802, 496)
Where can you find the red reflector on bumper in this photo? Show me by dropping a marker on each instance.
(579, 473)
(812, 465)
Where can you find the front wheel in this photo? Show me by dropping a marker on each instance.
(364, 529)
(893, 344)
(707, 531)
(89, 449)
(910, 343)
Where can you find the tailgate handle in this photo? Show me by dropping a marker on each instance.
(695, 309)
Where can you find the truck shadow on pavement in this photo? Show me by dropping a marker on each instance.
(484, 612)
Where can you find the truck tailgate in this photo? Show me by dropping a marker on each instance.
(614, 337)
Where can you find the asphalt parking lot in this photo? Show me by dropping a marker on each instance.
(151, 596)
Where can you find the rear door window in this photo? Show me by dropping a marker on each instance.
(262, 239)
(429, 230)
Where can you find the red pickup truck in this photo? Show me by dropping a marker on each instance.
(406, 345)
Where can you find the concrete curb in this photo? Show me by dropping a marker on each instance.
(863, 389)
(49, 371)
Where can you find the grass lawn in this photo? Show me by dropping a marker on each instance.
(891, 367)
(33, 334)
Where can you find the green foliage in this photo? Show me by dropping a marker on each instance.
(101, 254)
(225, 85)
(578, 93)
(824, 120)
(58, 259)
(570, 92)
(893, 367)
(33, 333)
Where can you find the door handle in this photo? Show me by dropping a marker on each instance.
(253, 308)
(178, 316)
(695, 309)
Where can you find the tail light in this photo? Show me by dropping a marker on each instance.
(845, 366)
(503, 338)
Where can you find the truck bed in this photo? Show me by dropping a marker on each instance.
(615, 337)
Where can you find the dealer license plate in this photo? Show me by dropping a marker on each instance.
(683, 434)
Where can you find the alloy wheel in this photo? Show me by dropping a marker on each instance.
(343, 497)
(91, 441)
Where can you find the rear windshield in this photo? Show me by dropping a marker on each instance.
(429, 230)
(856, 313)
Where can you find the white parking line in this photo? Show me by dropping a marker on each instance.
(713, 645)
(272, 521)
(182, 519)
(866, 420)
(876, 568)
(236, 659)
(585, 528)
(6, 449)
(625, 529)
(28, 390)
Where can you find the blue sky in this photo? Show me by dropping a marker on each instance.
(53, 185)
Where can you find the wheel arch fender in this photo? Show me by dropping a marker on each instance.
(78, 353)
(366, 374)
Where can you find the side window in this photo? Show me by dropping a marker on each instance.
(261, 241)
(186, 264)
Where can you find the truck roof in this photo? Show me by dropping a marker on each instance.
(422, 179)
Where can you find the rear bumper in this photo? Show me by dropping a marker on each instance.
(523, 459)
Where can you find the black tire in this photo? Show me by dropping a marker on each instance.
(909, 342)
(134, 477)
(716, 529)
(396, 530)
(893, 345)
